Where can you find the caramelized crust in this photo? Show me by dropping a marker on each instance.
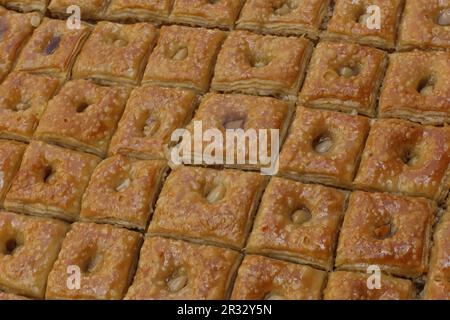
(28, 248)
(26, 5)
(261, 65)
(416, 87)
(11, 297)
(392, 232)
(291, 17)
(116, 53)
(184, 57)
(52, 48)
(324, 147)
(90, 9)
(208, 205)
(23, 99)
(50, 181)
(299, 222)
(326, 86)
(104, 255)
(83, 116)
(262, 278)
(10, 156)
(139, 10)
(344, 285)
(123, 191)
(178, 270)
(405, 157)
(150, 117)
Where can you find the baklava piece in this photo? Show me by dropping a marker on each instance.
(285, 17)
(261, 65)
(370, 22)
(83, 116)
(208, 205)
(151, 115)
(344, 77)
(206, 13)
(115, 53)
(23, 100)
(298, 222)
(123, 191)
(177, 270)
(184, 57)
(416, 87)
(26, 5)
(52, 49)
(28, 248)
(425, 24)
(344, 285)
(139, 10)
(89, 9)
(392, 232)
(102, 256)
(261, 278)
(258, 117)
(324, 147)
(405, 157)
(10, 157)
(50, 181)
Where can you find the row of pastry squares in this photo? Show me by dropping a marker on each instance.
(420, 23)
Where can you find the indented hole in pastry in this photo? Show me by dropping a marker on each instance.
(216, 193)
(349, 70)
(52, 45)
(22, 105)
(443, 18)
(10, 246)
(273, 296)
(234, 122)
(115, 40)
(123, 185)
(426, 85)
(259, 60)
(384, 230)
(323, 143)
(177, 280)
(48, 174)
(151, 126)
(180, 54)
(213, 1)
(91, 264)
(285, 7)
(82, 107)
(409, 156)
(360, 15)
(301, 215)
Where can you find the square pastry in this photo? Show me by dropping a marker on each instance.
(26, 5)
(405, 157)
(208, 205)
(416, 87)
(103, 256)
(257, 117)
(184, 57)
(89, 9)
(261, 65)
(286, 17)
(324, 147)
(10, 157)
(358, 21)
(139, 10)
(151, 115)
(23, 100)
(50, 181)
(392, 232)
(177, 270)
(115, 53)
(15, 30)
(52, 48)
(298, 222)
(123, 191)
(28, 248)
(344, 285)
(425, 24)
(344, 77)
(206, 13)
(261, 278)
(438, 283)
(83, 116)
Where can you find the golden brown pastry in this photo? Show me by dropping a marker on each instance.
(261, 65)
(184, 58)
(23, 99)
(286, 17)
(123, 191)
(26, 5)
(208, 205)
(177, 270)
(115, 53)
(261, 278)
(324, 147)
(405, 157)
(139, 10)
(50, 181)
(389, 231)
(29, 247)
(298, 222)
(416, 87)
(151, 115)
(105, 257)
(89, 9)
(10, 156)
(344, 77)
(11, 297)
(83, 116)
